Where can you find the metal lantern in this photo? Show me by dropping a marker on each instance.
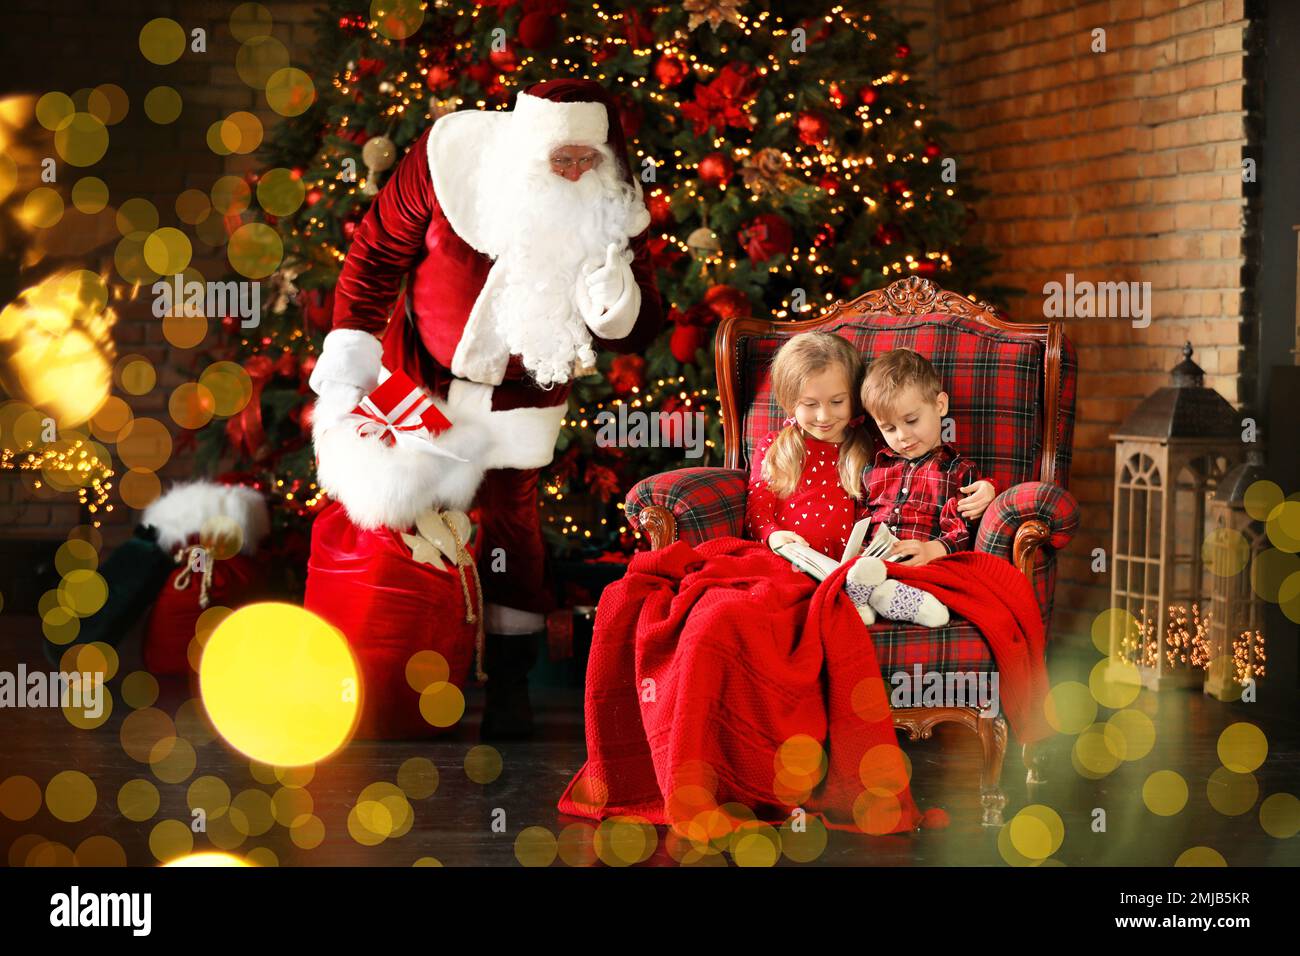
(1170, 455)
(1235, 653)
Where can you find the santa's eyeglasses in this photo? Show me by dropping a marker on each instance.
(563, 164)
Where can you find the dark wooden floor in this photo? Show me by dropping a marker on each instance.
(454, 824)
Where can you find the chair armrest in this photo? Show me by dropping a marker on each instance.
(693, 504)
(1026, 517)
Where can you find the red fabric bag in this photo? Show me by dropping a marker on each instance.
(390, 606)
(234, 581)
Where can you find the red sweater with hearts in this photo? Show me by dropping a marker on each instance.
(820, 509)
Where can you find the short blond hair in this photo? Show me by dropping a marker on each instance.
(891, 374)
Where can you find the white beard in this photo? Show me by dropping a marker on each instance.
(542, 228)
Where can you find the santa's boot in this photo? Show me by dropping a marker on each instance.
(507, 713)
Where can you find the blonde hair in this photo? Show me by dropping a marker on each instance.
(803, 356)
(891, 374)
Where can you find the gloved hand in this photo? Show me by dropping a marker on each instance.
(607, 295)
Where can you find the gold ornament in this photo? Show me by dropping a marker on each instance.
(703, 241)
(765, 173)
(712, 11)
(378, 154)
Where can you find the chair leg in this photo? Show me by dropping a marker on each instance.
(1035, 759)
(993, 740)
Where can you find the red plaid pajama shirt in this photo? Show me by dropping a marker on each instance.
(918, 498)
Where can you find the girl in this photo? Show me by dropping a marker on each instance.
(806, 479)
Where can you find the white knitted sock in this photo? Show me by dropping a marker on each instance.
(902, 602)
(861, 580)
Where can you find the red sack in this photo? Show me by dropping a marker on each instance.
(389, 606)
(233, 582)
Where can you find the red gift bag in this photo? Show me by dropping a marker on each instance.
(389, 606)
(232, 582)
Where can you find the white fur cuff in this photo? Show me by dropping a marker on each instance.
(186, 508)
(348, 357)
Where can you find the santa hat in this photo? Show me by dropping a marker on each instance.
(552, 113)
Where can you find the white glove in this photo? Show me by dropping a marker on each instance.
(346, 371)
(608, 296)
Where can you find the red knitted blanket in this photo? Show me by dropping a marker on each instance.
(718, 674)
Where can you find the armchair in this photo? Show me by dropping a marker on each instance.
(1012, 387)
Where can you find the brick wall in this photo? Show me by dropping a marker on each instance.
(1115, 166)
(78, 45)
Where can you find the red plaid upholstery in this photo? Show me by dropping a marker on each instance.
(994, 379)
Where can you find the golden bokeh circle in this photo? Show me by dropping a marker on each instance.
(483, 763)
(193, 724)
(806, 844)
(129, 261)
(418, 777)
(1200, 856)
(290, 803)
(90, 195)
(257, 809)
(1226, 552)
(576, 844)
(82, 140)
(192, 206)
(1242, 747)
(108, 103)
(877, 814)
(262, 856)
(136, 219)
(20, 798)
(259, 58)
(185, 331)
(168, 251)
(1232, 794)
(625, 841)
(210, 794)
(53, 108)
(397, 19)
(138, 799)
(42, 208)
(230, 196)
(1279, 815)
(1116, 619)
(255, 250)
(76, 554)
(1165, 793)
(1070, 707)
(169, 839)
(1283, 526)
(280, 192)
(163, 105)
(139, 489)
(60, 626)
(756, 844)
(139, 689)
(295, 777)
(83, 592)
(442, 704)
(1098, 750)
(241, 132)
(1118, 693)
(369, 823)
(99, 850)
(172, 759)
(144, 444)
(1037, 831)
(230, 385)
(425, 668)
(70, 796)
(136, 375)
(142, 729)
(290, 92)
(250, 20)
(1261, 497)
(51, 853)
(191, 405)
(162, 41)
(94, 658)
(1137, 731)
(307, 833)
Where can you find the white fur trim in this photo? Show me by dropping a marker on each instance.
(499, 619)
(481, 354)
(542, 124)
(348, 357)
(185, 508)
(520, 437)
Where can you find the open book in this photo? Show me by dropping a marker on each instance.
(820, 566)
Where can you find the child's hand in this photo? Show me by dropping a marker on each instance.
(778, 538)
(915, 553)
(980, 497)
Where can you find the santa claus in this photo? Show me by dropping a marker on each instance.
(521, 237)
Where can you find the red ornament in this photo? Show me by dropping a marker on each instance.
(812, 127)
(349, 227)
(625, 373)
(766, 236)
(440, 77)
(899, 186)
(887, 234)
(507, 60)
(927, 267)
(902, 50)
(313, 196)
(933, 151)
(727, 302)
(830, 182)
(868, 95)
(661, 212)
(286, 365)
(670, 71)
(480, 73)
(369, 67)
(538, 30)
(686, 340)
(716, 168)
(836, 96)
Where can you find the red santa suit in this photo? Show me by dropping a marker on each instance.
(422, 229)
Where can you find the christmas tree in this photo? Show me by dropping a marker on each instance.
(787, 158)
